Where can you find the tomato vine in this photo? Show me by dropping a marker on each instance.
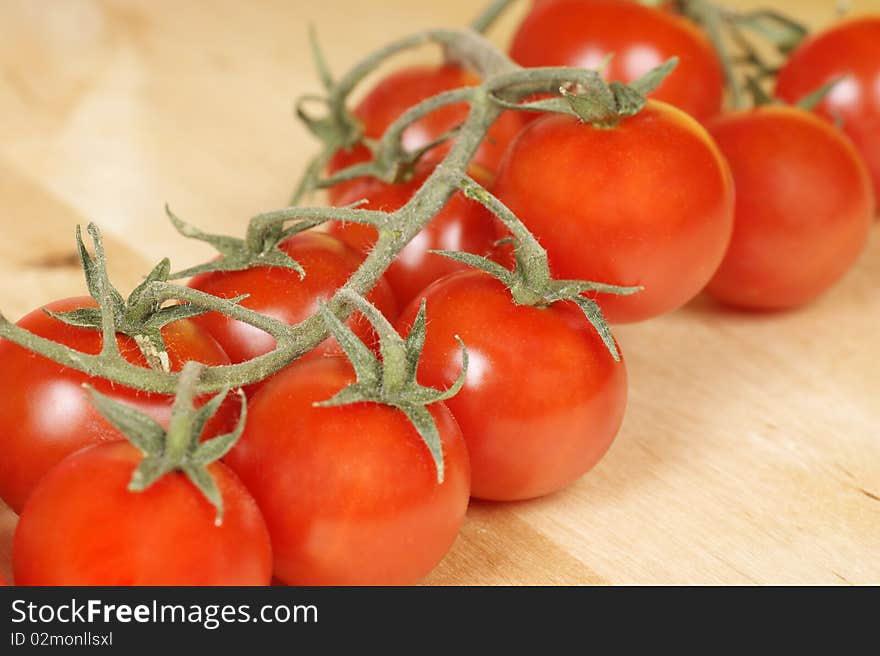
(505, 86)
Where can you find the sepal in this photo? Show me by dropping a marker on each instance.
(180, 448)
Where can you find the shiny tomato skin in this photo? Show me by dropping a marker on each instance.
(803, 209)
(852, 49)
(648, 203)
(349, 493)
(543, 398)
(82, 526)
(280, 293)
(463, 225)
(45, 413)
(407, 87)
(578, 33)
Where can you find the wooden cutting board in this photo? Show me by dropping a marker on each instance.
(751, 448)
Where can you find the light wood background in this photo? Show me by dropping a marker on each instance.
(751, 448)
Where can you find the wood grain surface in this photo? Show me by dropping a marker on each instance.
(750, 452)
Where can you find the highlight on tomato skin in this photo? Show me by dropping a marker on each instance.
(280, 293)
(582, 33)
(543, 398)
(45, 414)
(462, 225)
(361, 505)
(804, 207)
(82, 526)
(407, 87)
(849, 52)
(647, 203)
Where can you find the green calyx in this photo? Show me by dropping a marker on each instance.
(265, 233)
(338, 129)
(140, 316)
(583, 93)
(260, 247)
(389, 160)
(530, 283)
(180, 447)
(605, 104)
(335, 128)
(391, 380)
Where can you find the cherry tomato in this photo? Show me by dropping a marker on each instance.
(803, 207)
(392, 96)
(543, 398)
(45, 414)
(463, 225)
(82, 526)
(349, 493)
(280, 293)
(649, 202)
(581, 34)
(850, 49)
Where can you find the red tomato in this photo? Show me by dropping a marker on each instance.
(543, 398)
(281, 294)
(349, 493)
(803, 207)
(649, 202)
(851, 49)
(581, 34)
(82, 526)
(45, 414)
(463, 225)
(392, 96)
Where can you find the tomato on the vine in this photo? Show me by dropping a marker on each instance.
(44, 412)
(582, 34)
(543, 398)
(646, 203)
(803, 207)
(848, 52)
(463, 225)
(82, 526)
(280, 293)
(407, 87)
(349, 493)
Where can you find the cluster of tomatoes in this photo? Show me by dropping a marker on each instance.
(763, 209)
